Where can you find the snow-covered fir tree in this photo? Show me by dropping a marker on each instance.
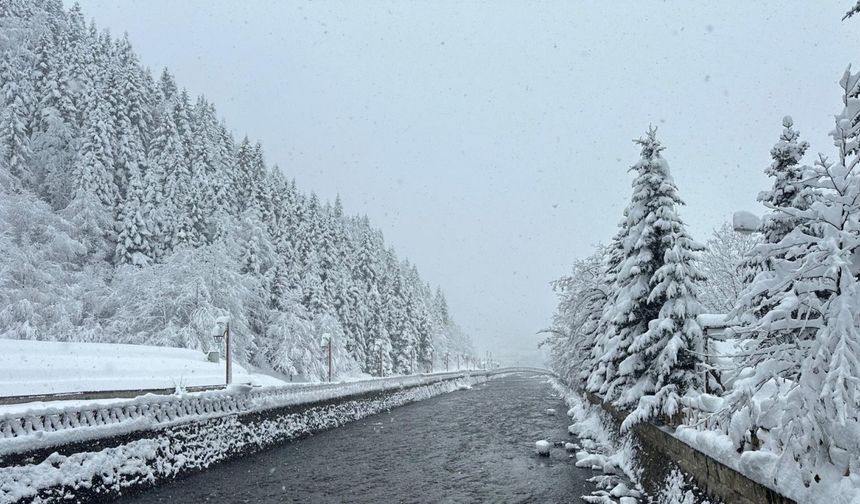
(789, 194)
(810, 380)
(655, 338)
(787, 191)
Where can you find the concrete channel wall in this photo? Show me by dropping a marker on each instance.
(95, 453)
(715, 478)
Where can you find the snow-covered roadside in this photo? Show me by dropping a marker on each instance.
(745, 435)
(54, 367)
(602, 448)
(773, 470)
(93, 475)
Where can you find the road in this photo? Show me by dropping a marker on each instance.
(467, 446)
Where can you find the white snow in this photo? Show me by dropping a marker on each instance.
(49, 367)
(745, 222)
(542, 447)
(712, 320)
(604, 449)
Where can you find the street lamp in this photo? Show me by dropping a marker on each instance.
(326, 344)
(220, 332)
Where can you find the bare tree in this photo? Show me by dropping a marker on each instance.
(721, 263)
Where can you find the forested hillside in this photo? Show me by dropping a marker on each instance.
(130, 213)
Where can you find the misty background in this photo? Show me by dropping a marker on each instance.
(490, 141)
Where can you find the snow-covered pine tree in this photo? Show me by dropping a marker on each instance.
(244, 174)
(789, 194)
(54, 131)
(313, 294)
(421, 322)
(94, 192)
(17, 97)
(226, 185)
(168, 156)
(133, 243)
(818, 297)
(669, 352)
(158, 208)
(135, 95)
(366, 282)
(203, 210)
(787, 174)
(654, 306)
(379, 360)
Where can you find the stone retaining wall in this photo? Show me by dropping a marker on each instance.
(715, 478)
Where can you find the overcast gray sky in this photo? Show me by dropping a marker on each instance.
(490, 141)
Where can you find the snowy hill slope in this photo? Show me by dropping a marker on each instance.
(48, 367)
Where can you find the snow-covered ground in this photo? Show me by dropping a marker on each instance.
(602, 448)
(765, 463)
(719, 429)
(48, 367)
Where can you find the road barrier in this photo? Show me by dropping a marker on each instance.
(45, 426)
(41, 427)
(95, 452)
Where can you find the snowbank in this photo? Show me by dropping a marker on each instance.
(50, 367)
(770, 469)
(727, 435)
(602, 449)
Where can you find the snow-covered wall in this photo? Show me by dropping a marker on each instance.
(713, 477)
(95, 462)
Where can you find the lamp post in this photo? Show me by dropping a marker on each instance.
(219, 334)
(326, 343)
